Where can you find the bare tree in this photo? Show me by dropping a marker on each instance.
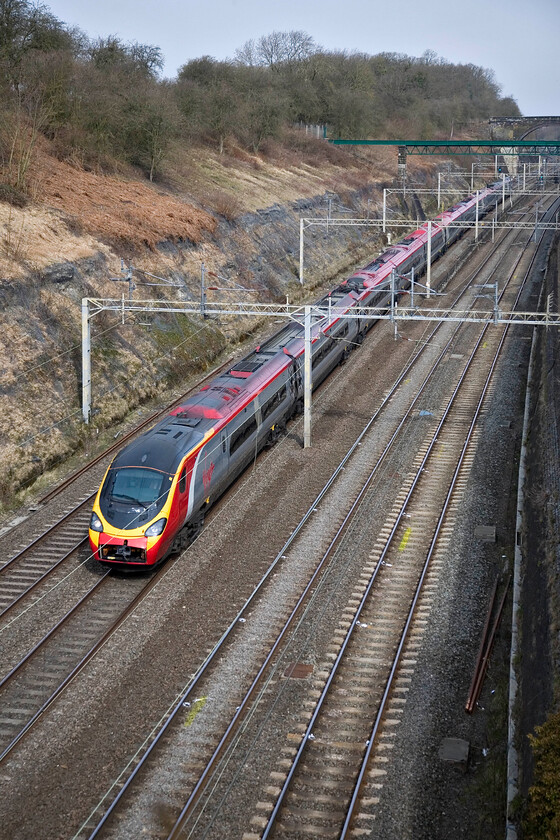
(152, 119)
(278, 48)
(248, 54)
(25, 27)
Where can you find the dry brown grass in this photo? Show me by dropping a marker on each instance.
(77, 213)
(116, 209)
(74, 215)
(226, 205)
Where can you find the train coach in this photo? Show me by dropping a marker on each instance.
(155, 493)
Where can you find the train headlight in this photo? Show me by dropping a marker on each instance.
(95, 523)
(156, 529)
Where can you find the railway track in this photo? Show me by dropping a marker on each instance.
(53, 555)
(367, 666)
(43, 557)
(318, 784)
(186, 701)
(37, 680)
(31, 683)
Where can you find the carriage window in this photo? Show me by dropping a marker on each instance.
(183, 480)
(241, 434)
(323, 351)
(273, 402)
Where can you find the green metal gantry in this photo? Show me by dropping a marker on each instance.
(462, 147)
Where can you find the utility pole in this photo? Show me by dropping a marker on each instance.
(127, 278)
(202, 291)
(301, 251)
(86, 361)
(307, 381)
(384, 209)
(394, 302)
(476, 218)
(429, 260)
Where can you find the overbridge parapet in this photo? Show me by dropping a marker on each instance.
(516, 128)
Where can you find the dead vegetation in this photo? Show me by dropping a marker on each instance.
(86, 222)
(118, 210)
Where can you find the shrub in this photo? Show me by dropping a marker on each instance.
(11, 195)
(543, 813)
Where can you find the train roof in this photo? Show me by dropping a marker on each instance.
(162, 447)
(227, 394)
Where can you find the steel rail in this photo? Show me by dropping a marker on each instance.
(380, 563)
(396, 661)
(373, 734)
(52, 631)
(177, 828)
(228, 632)
(42, 573)
(469, 705)
(42, 536)
(482, 663)
(28, 656)
(173, 712)
(45, 574)
(320, 701)
(175, 832)
(85, 658)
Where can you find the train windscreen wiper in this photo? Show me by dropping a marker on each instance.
(129, 499)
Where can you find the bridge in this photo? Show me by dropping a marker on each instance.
(536, 149)
(463, 147)
(509, 128)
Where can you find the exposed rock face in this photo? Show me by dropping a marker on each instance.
(80, 242)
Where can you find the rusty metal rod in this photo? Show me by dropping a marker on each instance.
(469, 704)
(482, 662)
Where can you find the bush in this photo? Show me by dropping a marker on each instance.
(13, 196)
(543, 813)
(226, 205)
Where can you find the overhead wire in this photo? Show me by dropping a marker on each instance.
(55, 404)
(111, 389)
(62, 353)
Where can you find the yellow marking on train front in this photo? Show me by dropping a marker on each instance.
(405, 539)
(196, 707)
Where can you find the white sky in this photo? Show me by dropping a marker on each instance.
(518, 39)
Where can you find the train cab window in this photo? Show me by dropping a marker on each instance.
(136, 484)
(183, 480)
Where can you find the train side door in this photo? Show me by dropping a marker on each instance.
(214, 466)
(243, 439)
(296, 381)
